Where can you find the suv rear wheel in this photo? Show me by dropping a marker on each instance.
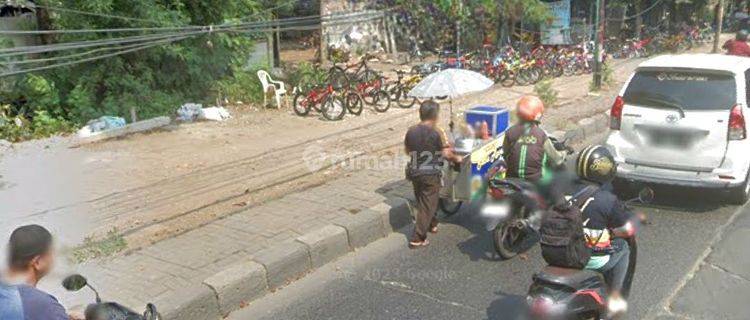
(740, 195)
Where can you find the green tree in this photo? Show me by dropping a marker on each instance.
(155, 81)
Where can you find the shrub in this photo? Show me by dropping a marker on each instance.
(41, 125)
(546, 92)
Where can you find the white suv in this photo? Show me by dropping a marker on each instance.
(680, 120)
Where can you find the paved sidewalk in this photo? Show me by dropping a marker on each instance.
(171, 265)
(720, 288)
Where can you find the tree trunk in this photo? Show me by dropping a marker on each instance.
(638, 5)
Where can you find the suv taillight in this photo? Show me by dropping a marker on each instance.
(737, 129)
(615, 113)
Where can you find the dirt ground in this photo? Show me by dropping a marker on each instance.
(152, 186)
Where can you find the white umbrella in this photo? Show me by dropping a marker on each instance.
(450, 83)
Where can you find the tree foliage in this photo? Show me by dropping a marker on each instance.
(155, 81)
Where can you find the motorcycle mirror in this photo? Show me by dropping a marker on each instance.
(646, 195)
(74, 282)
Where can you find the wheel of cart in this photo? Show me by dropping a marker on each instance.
(449, 207)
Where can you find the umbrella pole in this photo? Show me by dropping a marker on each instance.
(451, 124)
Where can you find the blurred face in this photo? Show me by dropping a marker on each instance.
(43, 264)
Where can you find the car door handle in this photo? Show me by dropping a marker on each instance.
(632, 115)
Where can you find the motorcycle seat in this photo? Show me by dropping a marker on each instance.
(571, 278)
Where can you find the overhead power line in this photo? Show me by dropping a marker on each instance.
(109, 55)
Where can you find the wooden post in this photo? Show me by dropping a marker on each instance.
(133, 115)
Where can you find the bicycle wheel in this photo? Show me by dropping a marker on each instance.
(394, 90)
(406, 101)
(301, 104)
(354, 103)
(381, 100)
(508, 79)
(334, 108)
(337, 78)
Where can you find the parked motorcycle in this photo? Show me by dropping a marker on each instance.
(511, 210)
(107, 310)
(559, 293)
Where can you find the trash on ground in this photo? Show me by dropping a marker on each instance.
(189, 112)
(101, 124)
(214, 114)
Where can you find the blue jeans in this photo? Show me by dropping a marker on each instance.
(616, 268)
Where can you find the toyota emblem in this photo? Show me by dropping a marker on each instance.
(672, 118)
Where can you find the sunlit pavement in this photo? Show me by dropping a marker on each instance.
(459, 277)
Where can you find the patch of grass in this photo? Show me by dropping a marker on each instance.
(92, 249)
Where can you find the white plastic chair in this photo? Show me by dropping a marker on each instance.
(268, 83)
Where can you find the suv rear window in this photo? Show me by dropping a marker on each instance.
(688, 90)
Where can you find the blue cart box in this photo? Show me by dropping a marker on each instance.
(498, 119)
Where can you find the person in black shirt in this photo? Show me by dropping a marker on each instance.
(427, 146)
(606, 222)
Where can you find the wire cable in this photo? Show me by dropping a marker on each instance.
(69, 63)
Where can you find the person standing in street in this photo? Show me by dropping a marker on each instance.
(428, 148)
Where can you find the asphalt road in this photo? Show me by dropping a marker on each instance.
(459, 277)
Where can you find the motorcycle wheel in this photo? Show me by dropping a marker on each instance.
(300, 105)
(507, 237)
(354, 103)
(449, 207)
(334, 108)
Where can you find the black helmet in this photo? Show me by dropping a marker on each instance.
(595, 163)
(742, 35)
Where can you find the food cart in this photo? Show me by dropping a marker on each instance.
(466, 182)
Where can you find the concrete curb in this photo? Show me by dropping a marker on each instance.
(275, 267)
(136, 127)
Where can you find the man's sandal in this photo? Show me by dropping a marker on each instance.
(420, 244)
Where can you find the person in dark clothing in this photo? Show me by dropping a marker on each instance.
(606, 222)
(30, 258)
(427, 146)
(529, 152)
(738, 46)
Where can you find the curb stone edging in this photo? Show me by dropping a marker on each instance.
(238, 284)
(136, 127)
(275, 267)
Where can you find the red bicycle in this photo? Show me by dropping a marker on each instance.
(373, 94)
(321, 99)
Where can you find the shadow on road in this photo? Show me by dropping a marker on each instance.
(507, 307)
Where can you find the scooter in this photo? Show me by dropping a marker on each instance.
(559, 293)
(107, 310)
(511, 210)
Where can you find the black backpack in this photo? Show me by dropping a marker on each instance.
(562, 239)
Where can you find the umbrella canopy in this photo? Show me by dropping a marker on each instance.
(450, 83)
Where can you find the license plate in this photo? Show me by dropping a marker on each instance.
(666, 138)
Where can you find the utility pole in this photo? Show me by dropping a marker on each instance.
(719, 24)
(599, 43)
(458, 33)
